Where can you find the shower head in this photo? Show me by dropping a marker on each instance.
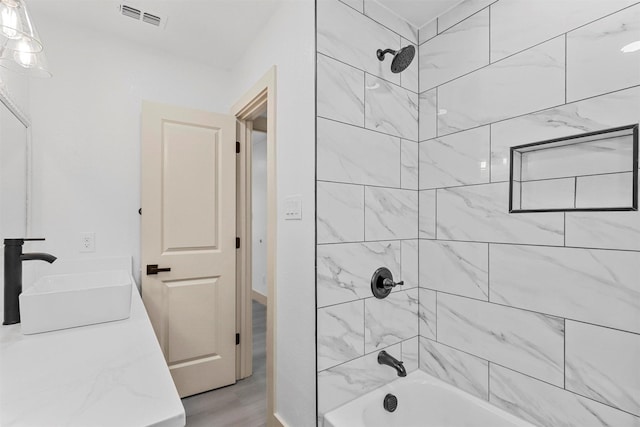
(401, 58)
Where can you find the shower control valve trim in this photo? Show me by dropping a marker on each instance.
(382, 283)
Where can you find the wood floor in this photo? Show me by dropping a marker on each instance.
(243, 404)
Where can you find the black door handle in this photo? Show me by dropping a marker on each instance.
(153, 269)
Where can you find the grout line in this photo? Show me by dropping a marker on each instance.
(575, 192)
(364, 213)
(488, 272)
(529, 376)
(364, 100)
(435, 219)
(367, 72)
(368, 129)
(564, 355)
(566, 71)
(464, 19)
(436, 292)
(541, 110)
(483, 241)
(367, 185)
(533, 311)
(489, 34)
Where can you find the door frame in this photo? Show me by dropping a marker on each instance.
(263, 93)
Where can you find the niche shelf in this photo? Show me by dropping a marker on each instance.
(595, 171)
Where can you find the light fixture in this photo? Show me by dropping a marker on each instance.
(28, 63)
(631, 47)
(16, 28)
(20, 47)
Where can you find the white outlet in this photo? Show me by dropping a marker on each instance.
(87, 242)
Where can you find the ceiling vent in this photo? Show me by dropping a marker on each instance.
(129, 11)
(139, 15)
(151, 19)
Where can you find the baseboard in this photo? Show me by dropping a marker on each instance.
(278, 421)
(258, 297)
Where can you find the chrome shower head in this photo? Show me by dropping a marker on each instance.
(401, 58)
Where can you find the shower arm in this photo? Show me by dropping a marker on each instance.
(381, 53)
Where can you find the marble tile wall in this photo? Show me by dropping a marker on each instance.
(538, 313)
(368, 200)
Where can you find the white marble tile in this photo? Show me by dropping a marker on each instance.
(586, 157)
(528, 342)
(519, 24)
(356, 4)
(409, 261)
(606, 230)
(548, 280)
(355, 155)
(458, 159)
(340, 212)
(340, 335)
(526, 82)
(427, 211)
(457, 51)
(343, 383)
(390, 320)
(605, 191)
(547, 194)
(390, 214)
(428, 31)
(602, 364)
(427, 313)
(460, 268)
(409, 78)
(389, 19)
(390, 109)
(603, 112)
(410, 351)
(460, 369)
(595, 62)
(340, 91)
(481, 213)
(548, 406)
(428, 114)
(351, 37)
(344, 270)
(460, 12)
(409, 165)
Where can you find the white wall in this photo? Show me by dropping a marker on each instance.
(86, 133)
(288, 42)
(259, 212)
(87, 164)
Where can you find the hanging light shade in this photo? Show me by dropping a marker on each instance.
(16, 28)
(27, 63)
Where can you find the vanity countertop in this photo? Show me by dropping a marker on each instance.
(110, 374)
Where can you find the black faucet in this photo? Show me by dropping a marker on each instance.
(385, 358)
(13, 258)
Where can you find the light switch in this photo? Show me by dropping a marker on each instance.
(293, 208)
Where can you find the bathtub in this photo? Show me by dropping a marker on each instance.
(423, 401)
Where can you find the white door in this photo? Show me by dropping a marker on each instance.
(188, 226)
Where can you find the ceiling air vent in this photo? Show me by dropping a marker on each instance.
(151, 19)
(131, 12)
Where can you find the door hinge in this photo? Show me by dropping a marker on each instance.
(237, 147)
(237, 243)
(237, 339)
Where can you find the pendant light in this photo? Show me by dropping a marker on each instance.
(21, 50)
(16, 28)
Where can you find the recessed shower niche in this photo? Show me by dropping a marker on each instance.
(585, 172)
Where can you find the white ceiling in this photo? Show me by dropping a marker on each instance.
(202, 30)
(419, 12)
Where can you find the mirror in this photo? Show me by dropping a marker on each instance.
(14, 172)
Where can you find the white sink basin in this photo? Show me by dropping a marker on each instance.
(71, 300)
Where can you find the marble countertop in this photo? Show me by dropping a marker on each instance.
(111, 374)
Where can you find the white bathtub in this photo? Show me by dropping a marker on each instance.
(423, 401)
